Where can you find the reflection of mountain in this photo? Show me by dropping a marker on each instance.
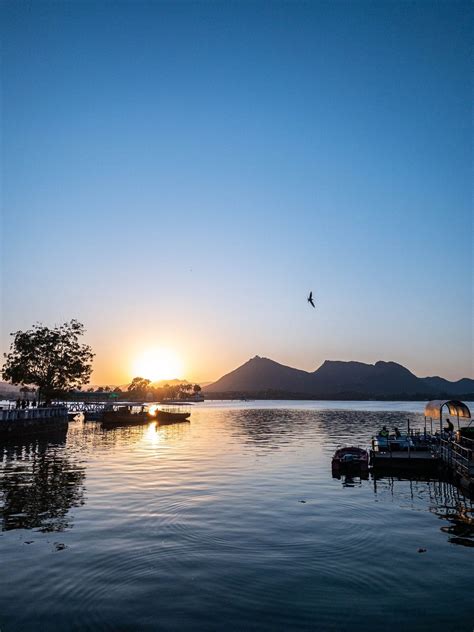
(335, 380)
(39, 484)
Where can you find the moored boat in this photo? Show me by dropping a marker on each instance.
(166, 415)
(120, 415)
(350, 457)
(171, 413)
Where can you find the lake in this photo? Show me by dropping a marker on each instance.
(230, 522)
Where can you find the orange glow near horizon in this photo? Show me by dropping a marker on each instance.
(158, 364)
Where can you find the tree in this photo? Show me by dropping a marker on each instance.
(197, 388)
(139, 387)
(52, 359)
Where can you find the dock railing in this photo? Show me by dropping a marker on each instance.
(27, 414)
(458, 456)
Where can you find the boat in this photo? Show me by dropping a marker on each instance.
(171, 413)
(350, 458)
(165, 415)
(125, 415)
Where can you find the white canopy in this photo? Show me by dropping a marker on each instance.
(454, 406)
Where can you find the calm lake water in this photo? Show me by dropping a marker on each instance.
(201, 526)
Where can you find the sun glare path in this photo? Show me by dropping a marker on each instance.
(158, 364)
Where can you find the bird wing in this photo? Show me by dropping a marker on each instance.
(310, 296)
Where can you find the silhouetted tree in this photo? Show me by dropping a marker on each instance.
(139, 387)
(197, 388)
(52, 359)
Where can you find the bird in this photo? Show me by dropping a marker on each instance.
(310, 299)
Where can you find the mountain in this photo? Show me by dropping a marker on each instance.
(260, 374)
(336, 380)
(460, 387)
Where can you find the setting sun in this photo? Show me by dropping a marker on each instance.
(158, 364)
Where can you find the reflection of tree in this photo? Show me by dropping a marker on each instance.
(38, 486)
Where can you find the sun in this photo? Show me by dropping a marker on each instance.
(158, 364)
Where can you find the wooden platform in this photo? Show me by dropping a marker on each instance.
(404, 459)
(32, 420)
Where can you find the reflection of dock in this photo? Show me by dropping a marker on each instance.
(32, 420)
(445, 500)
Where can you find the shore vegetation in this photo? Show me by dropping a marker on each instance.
(52, 359)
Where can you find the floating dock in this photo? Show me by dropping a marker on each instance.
(32, 420)
(410, 459)
(453, 451)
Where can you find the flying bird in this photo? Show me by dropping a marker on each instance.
(310, 299)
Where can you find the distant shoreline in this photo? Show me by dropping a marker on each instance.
(350, 397)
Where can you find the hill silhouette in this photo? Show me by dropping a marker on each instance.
(263, 377)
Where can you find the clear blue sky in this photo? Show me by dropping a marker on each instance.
(183, 174)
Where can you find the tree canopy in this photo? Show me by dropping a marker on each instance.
(139, 386)
(53, 359)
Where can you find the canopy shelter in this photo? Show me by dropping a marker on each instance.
(455, 408)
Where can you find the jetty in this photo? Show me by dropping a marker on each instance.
(32, 420)
(456, 448)
(447, 447)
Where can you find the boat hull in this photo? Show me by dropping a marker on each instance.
(169, 417)
(350, 460)
(124, 419)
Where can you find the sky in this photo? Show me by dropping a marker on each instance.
(181, 175)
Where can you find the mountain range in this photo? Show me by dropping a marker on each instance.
(262, 377)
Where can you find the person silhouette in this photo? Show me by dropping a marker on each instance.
(450, 426)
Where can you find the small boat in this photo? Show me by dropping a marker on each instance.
(166, 415)
(350, 458)
(171, 413)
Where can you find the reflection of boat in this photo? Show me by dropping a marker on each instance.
(350, 458)
(351, 478)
